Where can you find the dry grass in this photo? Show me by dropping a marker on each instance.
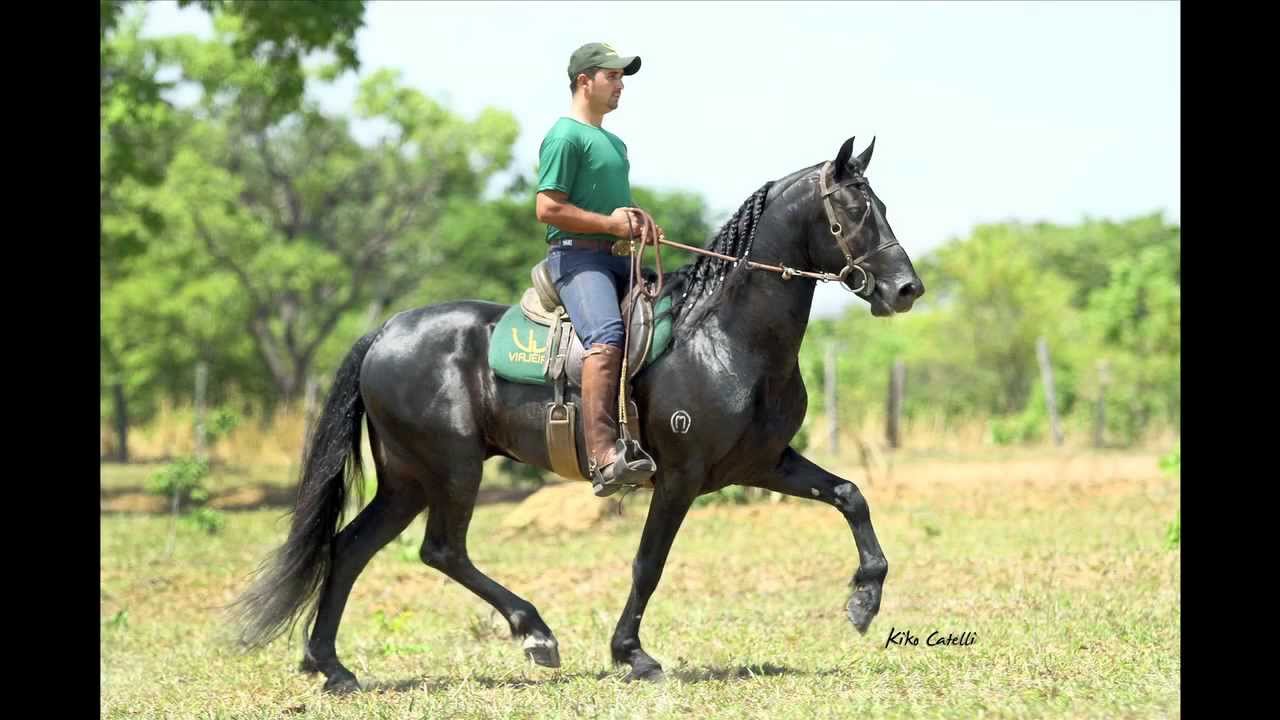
(274, 440)
(962, 437)
(277, 440)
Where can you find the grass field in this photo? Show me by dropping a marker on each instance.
(1059, 563)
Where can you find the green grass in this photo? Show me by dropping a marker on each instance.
(1069, 584)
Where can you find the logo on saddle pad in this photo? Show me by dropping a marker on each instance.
(530, 353)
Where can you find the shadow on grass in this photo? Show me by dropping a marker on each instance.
(684, 675)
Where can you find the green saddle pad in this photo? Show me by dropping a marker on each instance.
(518, 348)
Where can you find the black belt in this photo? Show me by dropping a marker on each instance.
(610, 246)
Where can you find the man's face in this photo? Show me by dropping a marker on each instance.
(604, 90)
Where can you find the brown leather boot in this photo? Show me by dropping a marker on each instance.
(610, 466)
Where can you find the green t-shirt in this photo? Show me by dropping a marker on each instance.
(589, 164)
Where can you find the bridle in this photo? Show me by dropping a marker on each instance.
(858, 182)
(827, 189)
(644, 232)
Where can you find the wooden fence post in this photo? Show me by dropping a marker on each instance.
(1100, 416)
(833, 441)
(1046, 375)
(202, 381)
(897, 380)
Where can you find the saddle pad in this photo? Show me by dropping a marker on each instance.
(518, 348)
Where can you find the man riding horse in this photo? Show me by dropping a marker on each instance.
(584, 197)
(732, 394)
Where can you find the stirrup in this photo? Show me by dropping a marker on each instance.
(631, 468)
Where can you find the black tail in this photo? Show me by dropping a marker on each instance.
(288, 583)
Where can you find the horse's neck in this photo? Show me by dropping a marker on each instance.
(770, 314)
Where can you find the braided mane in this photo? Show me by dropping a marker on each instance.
(704, 285)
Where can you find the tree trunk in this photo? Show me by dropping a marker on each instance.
(122, 423)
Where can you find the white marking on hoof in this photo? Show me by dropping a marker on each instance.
(531, 642)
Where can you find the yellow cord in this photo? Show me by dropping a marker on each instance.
(622, 393)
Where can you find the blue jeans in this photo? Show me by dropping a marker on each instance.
(591, 284)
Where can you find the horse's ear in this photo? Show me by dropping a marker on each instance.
(865, 158)
(842, 158)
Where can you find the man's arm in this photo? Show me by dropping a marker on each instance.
(554, 208)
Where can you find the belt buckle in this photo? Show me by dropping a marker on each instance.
(621, 247)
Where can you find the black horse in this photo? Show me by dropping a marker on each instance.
(436, 412)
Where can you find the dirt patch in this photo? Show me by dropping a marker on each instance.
(133, 502)
(560, 507)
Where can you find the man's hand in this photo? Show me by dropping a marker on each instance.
(642, 226)
(622, 223)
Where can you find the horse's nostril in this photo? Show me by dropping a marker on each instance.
(907, 291)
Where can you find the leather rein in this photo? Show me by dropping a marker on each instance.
(649, 234)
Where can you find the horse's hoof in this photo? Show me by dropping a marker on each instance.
(647, 673)
(859, 613)
(543, 651)
(341, 683)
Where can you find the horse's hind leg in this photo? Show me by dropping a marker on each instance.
(445, 548)
(398, 500)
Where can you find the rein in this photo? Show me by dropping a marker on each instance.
(864, 289)
(650, 235)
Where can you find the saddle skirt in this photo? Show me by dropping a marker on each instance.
(535, 342)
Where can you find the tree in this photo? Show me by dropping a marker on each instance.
(311, 224)
(999, 302)
(1137, 320)
(270, 237)
(1101, 290)
(139, 134)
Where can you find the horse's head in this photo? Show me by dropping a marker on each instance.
(851, 235)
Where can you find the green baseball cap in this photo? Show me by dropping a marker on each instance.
(603, 56)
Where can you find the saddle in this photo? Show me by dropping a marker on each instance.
(557, 361)
(541, 305)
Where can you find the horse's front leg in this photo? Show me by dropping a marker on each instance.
(796, 475)
(670, 504)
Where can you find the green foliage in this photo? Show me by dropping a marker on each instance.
(118, 621)
(684, 218)
(800, 441)
(282, 231)
(1137, 319)
(1100, 291)
(183, 478)
(998, 302)
(221, 422)
(731, 495)
(137, 133)
(286, 31)
(1171, 463)
(164, 294)
(207, 519)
